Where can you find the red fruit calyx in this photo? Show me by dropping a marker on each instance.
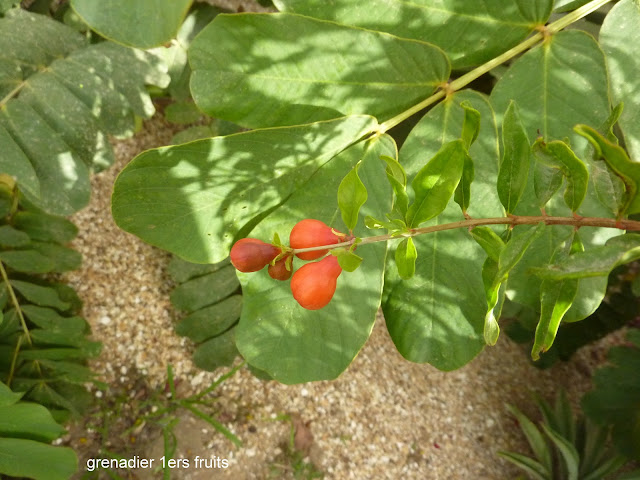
(309, 233)
(314, 284)
(251, 254)
(278, 271)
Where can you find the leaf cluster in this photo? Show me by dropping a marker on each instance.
(210, 296)
(565, 447)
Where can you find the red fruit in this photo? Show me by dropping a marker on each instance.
(251, 254)
(278, 271)
(314, 284)
(312, 233)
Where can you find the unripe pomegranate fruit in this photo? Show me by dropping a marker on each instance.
(251, 254)
(314, 284)
(312, 233)
(278, 271)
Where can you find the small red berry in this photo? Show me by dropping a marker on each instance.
(278, 271)
(251, 254)
(312, 233)
(314, 284)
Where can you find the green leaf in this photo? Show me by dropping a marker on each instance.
(570, 66)
(597, 261)
(556, 298)
(406, 255)
(182, 113)
(616, 395)
(10, 237)
(516, 153)
(488, 240)
(618, 160)
(193, 199)
(272, 322)
(61, 96)
(527, 464)
(470, 130)
(536, 440)
(174, 54)
(143, 23)
(29, 261)
(471, 124)
(494, 274)
(620, 29)
(299, 77)
(558, 155)
(348, 261)
(211, 321)
(495, 297)
(206, 290)
(424, 321)
(546, 182)
(7, 397)
(30, 421)
(352, 194)
(45, 228)
(64, 259)
(568, 451)
(181, 270)
(43, 296)
(482, 31)
(27, 458)
(435, 183)
(398, 180)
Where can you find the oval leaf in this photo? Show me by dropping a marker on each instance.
(193, 199)
(406, 255)
(482, 29)
(435, 183)
(143, 23)
(299, 77)
(516, 153)
(352, 194)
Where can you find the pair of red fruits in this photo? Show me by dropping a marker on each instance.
(313, 284)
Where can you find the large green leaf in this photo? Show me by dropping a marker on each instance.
(469, 32)
(438, 315)
(262, 70)
(28, 458)
(193, 199)
(563, 71)
(143, 23)
(28, 420)
(620, 30)
(60, 97)
(276, 334)
(550, 84)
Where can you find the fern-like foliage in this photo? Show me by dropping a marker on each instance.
(43, 340)
(210, 294)
(60, 98)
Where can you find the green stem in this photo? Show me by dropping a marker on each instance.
(467, 78)
(12, 93)
(512, 220)
(16, 304)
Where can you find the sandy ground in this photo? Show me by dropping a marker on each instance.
(383, 418)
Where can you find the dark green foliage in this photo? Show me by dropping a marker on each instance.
(615, 399)
(43, 341)
(211, 296)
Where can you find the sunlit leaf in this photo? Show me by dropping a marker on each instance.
(282, 69)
